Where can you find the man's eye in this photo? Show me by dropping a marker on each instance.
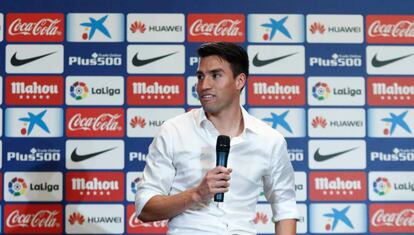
(216, 75)
(200, 77)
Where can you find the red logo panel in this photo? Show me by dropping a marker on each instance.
(391, 218)
(136, 226)
(95, 186)
(95, 122)
(155, 91)
(38, 27)
(390, 29)
(338, 186)
(276, 91)
(216, 27)
(391, 91)
(34, 90)
(33, 219)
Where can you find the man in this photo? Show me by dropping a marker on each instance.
(180, 178)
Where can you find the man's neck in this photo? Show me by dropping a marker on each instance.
(228, 122)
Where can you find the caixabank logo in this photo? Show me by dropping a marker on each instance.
(155, 27)
(391, 123)
(277, 28)
(35, 27)
(338, 186)
(90, 218)
(95, 27)
(216, 27)
(289, 122)
(95, 122)
(136, 226)
(95, 154)
(96, 186)
(34, 90)
(94, 90)
(155, 91)
(391, 91)
(32, 186)
(391, 185)
(391, 218)
(390, 29)
(33, 218)
(34, 122)
(276, 91)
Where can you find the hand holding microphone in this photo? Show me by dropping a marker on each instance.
(222, 154)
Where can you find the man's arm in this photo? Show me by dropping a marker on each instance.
(286, 227)
(162, 207)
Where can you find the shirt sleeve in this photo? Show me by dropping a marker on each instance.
(279, 185)
(159, 171)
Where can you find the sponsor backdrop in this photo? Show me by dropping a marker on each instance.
(85, 87)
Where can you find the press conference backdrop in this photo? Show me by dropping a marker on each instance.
(86, 85)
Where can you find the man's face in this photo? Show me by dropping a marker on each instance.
(217, 88)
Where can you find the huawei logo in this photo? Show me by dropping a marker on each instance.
(261, 218)
(319, 121)
(317, 27)
(137, 26)
(137, 121)
(76, 217)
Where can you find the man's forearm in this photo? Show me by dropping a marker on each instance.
(286, 227)
(165, 207)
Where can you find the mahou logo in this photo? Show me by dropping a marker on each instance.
(391, 218)
(391, 91)
(390, 29)
(39, 27)
(96, 186)
(155, 91)
(36, 218)
(136, 226)
(216, 27)
(34, 90)
(276, 91)
(338, 186)
(95, 122)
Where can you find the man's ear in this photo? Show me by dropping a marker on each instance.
(241, 81)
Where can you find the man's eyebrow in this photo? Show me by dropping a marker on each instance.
(199, 72)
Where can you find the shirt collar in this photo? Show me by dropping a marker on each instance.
(249, 124)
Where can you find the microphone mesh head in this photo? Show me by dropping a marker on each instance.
(223, 143)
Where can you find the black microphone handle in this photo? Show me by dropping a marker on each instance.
(221, 161)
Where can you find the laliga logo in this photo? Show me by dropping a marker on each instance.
(134, 185)
(79, 90)
(321, 91)
(382, 186)
(17, 186)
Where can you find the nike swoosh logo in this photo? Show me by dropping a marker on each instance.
(320, 158)
(78, 158)
(259, 63)
(379, 63)
(19, 62)
(137, 62)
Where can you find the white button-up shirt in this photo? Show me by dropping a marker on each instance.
(185, 149)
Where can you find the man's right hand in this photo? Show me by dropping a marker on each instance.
(215, 181)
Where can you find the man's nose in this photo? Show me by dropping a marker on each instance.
(206, 83)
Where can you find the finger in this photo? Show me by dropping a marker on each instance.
(223, 176)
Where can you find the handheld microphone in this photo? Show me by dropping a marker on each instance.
(222, 153)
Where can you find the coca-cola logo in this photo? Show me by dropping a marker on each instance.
(402, 28)
(403, 218)
(225, 27)
(42, 27)
(103, 122)
(40, 219)
(134, 222)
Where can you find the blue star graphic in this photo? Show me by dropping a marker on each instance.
(339, 216)
(279, 120)
(397, 120)
(97, 25)
(34, 120)
(277, 26)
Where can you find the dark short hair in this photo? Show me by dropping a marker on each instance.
(232, 53)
